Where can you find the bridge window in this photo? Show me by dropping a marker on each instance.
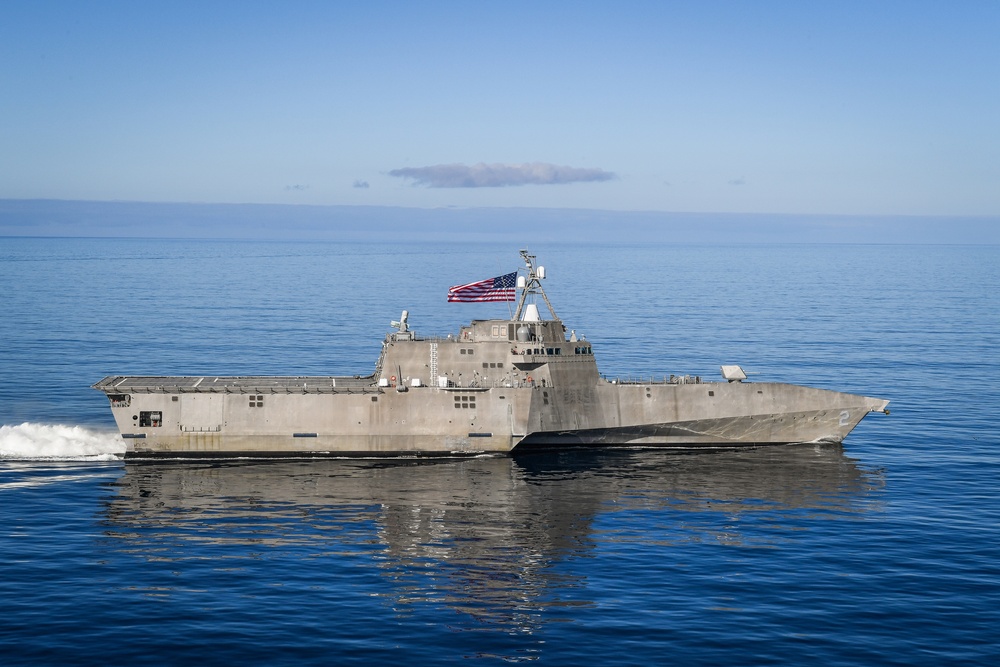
(256, 401)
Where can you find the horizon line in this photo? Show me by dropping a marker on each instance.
(503, 208)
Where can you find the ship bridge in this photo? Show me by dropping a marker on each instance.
(524, 350)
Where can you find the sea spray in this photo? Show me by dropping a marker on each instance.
(58, 441)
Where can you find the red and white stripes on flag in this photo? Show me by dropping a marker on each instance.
(500, 288)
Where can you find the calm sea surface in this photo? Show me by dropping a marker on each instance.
(883, 551)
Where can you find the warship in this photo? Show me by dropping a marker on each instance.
(500, 386)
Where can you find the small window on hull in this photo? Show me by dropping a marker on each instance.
(465, 401)
(150, 418)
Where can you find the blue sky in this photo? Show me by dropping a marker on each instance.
(856, 108)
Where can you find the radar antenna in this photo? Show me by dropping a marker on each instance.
(532, 285)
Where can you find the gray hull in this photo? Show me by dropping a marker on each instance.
(289, 419)
(495, 387)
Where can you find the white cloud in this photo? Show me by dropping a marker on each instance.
(499, 175)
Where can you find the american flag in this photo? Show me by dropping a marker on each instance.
(500, 288)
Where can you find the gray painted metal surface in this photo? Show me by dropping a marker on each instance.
(498, 386)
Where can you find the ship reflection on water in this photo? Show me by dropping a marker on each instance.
(494, 538)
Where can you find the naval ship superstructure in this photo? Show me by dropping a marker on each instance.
(497, 387)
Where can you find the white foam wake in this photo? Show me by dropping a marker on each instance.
(58, 442)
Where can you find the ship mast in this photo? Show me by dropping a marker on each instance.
(532, 285)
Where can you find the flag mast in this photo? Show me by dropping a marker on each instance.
(532, 285)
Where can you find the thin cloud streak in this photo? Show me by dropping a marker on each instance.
(499, 175)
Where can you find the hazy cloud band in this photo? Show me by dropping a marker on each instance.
(499, 175)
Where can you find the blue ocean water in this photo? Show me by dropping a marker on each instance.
(885, 550)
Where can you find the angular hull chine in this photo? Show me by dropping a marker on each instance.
(723, 432)
(710, 414)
